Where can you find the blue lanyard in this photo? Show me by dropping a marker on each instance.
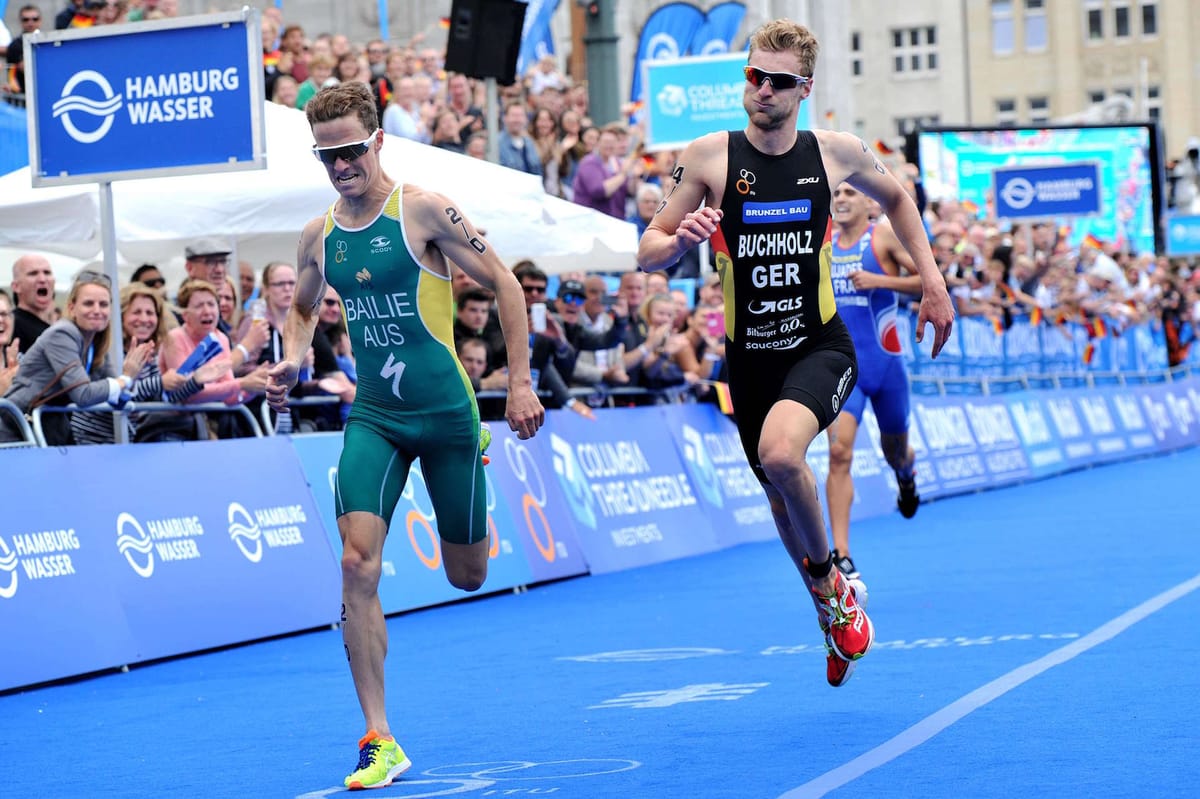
(91, 355)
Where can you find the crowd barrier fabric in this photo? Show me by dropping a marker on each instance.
(119, 554)
(630, 497)
(729, 494)
(413, 574)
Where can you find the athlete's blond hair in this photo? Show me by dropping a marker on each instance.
(785, 36)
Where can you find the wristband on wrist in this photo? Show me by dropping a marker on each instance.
(245, 352)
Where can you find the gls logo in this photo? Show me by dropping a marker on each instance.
(381, 244)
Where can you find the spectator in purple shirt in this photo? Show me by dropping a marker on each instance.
(604, 180)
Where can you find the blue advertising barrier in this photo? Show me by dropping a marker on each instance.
(631, 498)
(168, 550)
(412, 555)
(1183, 234)
(732, 499)
(1047, 191)
(173, 96)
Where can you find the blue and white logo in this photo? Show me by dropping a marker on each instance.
(672, 100)
(84, 104)
(135, 545)
(700, 466)
(244, 532)
(8, 563)
(574, 483)
(769, 213)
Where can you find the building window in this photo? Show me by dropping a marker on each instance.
(1149, 19)
(914, 50)
(906, 125)
(1036, 36)
(1039, 110)
(1095, 97)
(856, 62)
(1121, 21)
(1002, 27)
(1095, 21)
(1006, 112)
(1154, 102)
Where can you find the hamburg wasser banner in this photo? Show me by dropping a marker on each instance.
(165, 97)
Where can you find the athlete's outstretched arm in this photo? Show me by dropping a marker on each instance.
(848, 158)
(301, 322)
(453, 234)
(681, 222)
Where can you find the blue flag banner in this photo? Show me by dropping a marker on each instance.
(716, 33)
(537, 39)
(665, 36)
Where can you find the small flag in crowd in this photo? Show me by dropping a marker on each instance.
(971, 207)
(882, 148)
(1089, 352)
(724, 398)
(998, 325)
(1098, 329)
(1091, 241)
(444, 23)
(1035, 316)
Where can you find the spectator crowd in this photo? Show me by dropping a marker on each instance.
(657, 337)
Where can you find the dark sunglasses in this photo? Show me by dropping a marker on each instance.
(346, 152)
(155, 283)
(572, 299)
(779, 80)
(534, 289)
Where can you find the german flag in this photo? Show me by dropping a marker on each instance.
(882, 148)
(1091, 241)
(1097, 328)
(971, 207)
(1089, 352)
(1035, 316)
(444, 23)
(724, 399)
(998, 325)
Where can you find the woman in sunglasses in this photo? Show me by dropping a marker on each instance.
(70, 362)
(764, 196)
(387, 249)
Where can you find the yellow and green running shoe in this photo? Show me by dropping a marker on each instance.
(380, 760)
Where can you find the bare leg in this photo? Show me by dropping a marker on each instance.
(787, 432)
(466, 564)
(364, 630)
(788, 536)
(839, 487)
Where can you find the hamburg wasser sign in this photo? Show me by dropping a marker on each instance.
(177, 96)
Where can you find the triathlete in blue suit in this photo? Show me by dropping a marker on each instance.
(868, 265)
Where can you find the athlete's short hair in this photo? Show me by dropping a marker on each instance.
(335, 102)
(785, 36)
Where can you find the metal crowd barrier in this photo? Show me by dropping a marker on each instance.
(27, 437)
(269, 425)
(984, 385)
(134, 407)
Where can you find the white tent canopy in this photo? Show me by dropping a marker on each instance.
(262, 212)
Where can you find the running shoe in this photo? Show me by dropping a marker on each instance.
(908, 500)
(837, 671)
(850, 631)
(380, 760)
(845, 565)
(485, 441)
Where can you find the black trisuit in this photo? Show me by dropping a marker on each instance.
(785, 340)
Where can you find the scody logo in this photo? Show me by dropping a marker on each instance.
(83, 104)
(381, 244)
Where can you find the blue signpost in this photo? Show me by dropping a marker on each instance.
(1047, 192)
(147, 99)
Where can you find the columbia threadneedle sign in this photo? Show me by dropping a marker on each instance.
(147, 99)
